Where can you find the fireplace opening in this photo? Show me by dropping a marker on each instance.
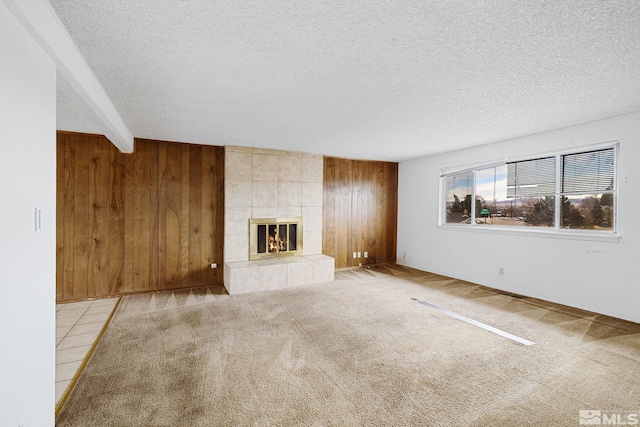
(274, 236)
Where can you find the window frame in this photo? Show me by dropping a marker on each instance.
(556, 231)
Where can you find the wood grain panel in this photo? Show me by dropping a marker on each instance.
(345, 199)
(116, 220)
(371, 210)
(154, 214)
(195, 214)
(360, 210)
(217, 158)
(357, 235)
(98, 273)
(128, 223)
(141, 228)
(128, 243)
(391, 224)
(173, 216)
(207, 195)
(184, 224)
(162, 216)
(81, 215)
(329, 242)
(60, 177)
(379, 181)
(67, 187)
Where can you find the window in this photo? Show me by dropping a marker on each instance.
(565, 191)
(587, 190)
(531, 189)
(458, 198)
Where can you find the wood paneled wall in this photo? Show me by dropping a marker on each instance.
(360, 210)
(129, 223)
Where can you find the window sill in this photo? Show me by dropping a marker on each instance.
(609, 237)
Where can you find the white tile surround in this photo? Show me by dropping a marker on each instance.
(261, 183)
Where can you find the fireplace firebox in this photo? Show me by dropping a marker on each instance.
(271, 237)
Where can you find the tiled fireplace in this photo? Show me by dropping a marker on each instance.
(273, 220)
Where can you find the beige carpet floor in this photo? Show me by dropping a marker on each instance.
(355, 352)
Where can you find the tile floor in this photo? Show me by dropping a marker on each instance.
(78, 324)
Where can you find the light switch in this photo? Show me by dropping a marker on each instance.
(37, 217)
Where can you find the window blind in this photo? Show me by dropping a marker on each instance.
(591, 172)
(531, 178)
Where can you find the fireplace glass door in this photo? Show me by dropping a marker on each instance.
(274, 236)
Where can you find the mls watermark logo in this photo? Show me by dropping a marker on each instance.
(598, 417)
(590, 417)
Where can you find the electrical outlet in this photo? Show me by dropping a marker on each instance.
(359, 254)
(501, 271)
(354, 255)
(214, 265)
(366, 254)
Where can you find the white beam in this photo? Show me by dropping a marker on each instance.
(75, 78)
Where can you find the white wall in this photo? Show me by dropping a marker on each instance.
(603, 277)
(27, 257)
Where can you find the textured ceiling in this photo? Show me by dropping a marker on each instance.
(387, 80)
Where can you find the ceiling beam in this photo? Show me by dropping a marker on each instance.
(75, 78)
